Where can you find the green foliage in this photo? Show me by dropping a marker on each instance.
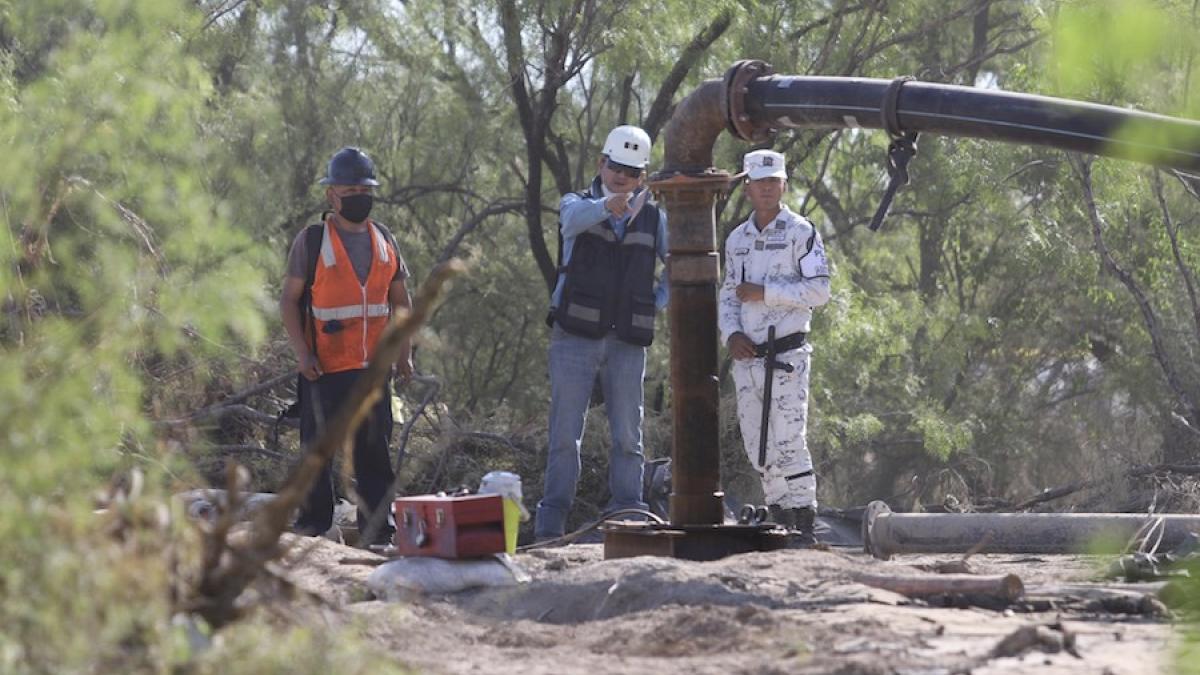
(1186, 601)
(295, 650)
(120, 250)
(1117, 50)
(162, 155)
(939, 437)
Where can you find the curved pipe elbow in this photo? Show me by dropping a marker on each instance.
(693, 130)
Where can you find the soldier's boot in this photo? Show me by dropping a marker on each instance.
(803, 523)
(781, 516)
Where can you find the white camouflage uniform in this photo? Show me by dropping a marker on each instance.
(788, 259)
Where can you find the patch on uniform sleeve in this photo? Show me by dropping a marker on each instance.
(822, 263)
(814, 263)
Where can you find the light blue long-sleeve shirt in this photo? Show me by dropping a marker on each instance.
(577, 214)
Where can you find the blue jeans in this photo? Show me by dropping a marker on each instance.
(574, 363)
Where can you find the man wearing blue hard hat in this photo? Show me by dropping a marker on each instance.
(345, 278)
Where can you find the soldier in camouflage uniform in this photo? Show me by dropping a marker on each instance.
(775, 273)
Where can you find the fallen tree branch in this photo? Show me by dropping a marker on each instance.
(256, 449)
(1006, 587)
(227, 406)
(227, 569)
(486, 436)
(265, 385)
(221, 412)
(1050, 494)
(1147, 469)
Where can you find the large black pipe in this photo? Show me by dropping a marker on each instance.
(780, 102)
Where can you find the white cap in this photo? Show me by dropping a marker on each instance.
(628, 145)
(764, 164)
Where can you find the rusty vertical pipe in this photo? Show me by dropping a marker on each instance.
(688, 188)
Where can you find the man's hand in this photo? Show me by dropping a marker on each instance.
(404, 370)
(617, 204)
(747, 292)
(741, 347)
(308, 366)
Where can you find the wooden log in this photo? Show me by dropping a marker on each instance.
(1006, 587)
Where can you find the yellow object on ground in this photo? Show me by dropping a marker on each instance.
(508, 486)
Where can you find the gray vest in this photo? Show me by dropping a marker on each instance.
(610, 281)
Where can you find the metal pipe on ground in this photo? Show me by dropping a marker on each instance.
(886, 533)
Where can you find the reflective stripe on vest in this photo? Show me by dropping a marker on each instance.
(638, 239)
(581, 312)
(349, 312)
(350, 315)
(645, 321)
(605, 232)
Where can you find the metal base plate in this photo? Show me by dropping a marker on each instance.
(626, 539)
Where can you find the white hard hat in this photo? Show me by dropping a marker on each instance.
(764, 164)
(628, 145)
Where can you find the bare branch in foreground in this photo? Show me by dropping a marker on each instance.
(228, 568)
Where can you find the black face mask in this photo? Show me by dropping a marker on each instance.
(356, 208)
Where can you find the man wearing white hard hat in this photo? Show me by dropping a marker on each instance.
(775, 274)
(602, 319)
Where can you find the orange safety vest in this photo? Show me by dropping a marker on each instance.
(350, 316)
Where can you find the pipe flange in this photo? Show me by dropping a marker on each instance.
(869, 533)
(709, 174)
(690, 186)
(737, 85)
(712, 178)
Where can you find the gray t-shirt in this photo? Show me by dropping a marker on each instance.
(358, 248)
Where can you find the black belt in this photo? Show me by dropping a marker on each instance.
(784, 344)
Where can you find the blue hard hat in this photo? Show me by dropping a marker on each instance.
(350, 166)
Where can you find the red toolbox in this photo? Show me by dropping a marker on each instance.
(469, 526)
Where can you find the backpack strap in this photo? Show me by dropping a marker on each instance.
(389, 238)
(313, 238)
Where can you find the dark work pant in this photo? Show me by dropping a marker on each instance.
(373, 475)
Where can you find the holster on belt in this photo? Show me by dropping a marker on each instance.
(784, 344)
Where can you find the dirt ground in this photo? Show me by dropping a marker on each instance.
(794, 611)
